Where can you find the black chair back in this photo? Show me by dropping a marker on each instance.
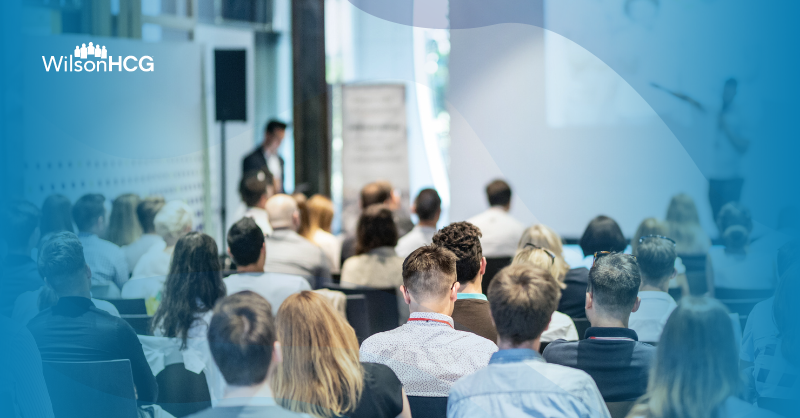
(542, 346)
(619, 409)
(181, 392)
(139, 323)
(91, 389)
(581, 324)
(356, 316)
(695, 273)
(493, 265)
(425, 407)
(379, 309)
(129, 306)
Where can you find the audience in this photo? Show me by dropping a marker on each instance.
(652, 226)
(428, 207)
(146, 212)
(287, 251)
(19, 271)
(320, 217)
(518, 382)
(684, 226)
(109, 267)
(655, 255)
(500, 230)
(74, 329)
(427, 354)
(247, 248)
(56, 215)
(321, 374)
(375, 264)
(611, 353)
(255, 189)
(471, 309)
(123, 226)
(243, 343)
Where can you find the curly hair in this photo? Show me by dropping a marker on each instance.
(464, 240)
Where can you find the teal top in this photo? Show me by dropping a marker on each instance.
(472, 296)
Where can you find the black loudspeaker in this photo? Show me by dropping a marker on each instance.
(230, 84)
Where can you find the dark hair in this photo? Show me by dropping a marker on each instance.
(499, 193)
(254, 186)
(522, 299)
(734, 224)
(376, 228)
(274, 125)
(464, 240)
(21, 219)
(147, 210)
(788, 254)
(87, 209)
(614, 281)
(656, 259)
(56, 214)
(602, 234)
(60, 259)
(194, 284)
(429, 271)
(375, 193)
(427, 204)
(241, 337)
(245, 239)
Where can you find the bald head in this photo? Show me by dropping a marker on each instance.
(282, 212)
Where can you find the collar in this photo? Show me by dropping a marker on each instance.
(619, 334)
(515, 355)
(73, 303)
(463, 296)
(433, 316)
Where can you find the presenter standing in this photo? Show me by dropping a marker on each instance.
(730, 146)
(266, 155)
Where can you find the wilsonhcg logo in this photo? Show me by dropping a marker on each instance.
(83, 59)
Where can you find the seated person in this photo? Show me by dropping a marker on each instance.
(611, 353)
(29, 304)
(656, 257)
(427, 353)
(255, 189)
(320, 217)
(500, 230)
(74, 329)
(428, 207)
(19, 273)
(517, 381)
(375, 264)
(471, 310)
(248, 250)
(146, 212)
(243, 344)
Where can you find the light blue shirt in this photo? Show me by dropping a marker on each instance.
(480, 296)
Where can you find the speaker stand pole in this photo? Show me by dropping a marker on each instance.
(223, 190)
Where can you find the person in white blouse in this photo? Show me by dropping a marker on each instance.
(656, 257)
(500, 230)
(428, 207)
(320, 217)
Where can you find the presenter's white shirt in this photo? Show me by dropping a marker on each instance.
(654, 310)
(274, 287)
(417, 237)
(500, 232)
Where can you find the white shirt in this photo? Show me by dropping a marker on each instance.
(561, 327)
(147, 288)
(500, 232)
(135, 250)
(261, 217)
(331, 246)
(105, 259)
(654, 310)
(754, 270)
(274, 287)
(274, 166)
(155, 262)
(428, 356)
(417, 237)
(380, 268)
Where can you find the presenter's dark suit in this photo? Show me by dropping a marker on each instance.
(256, 161)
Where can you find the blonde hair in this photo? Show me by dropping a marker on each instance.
(320, 215)
(544, 237)
(538, 257)
(123, 226)
(320, 374)
(684, 225)
(649, 226)
(173, 220)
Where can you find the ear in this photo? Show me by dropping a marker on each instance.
(483, 266)
(414, 208)
(263, 248)
(277, 354)
(406, 295)
(229, 253)
(636, 304)
(454, 292)
(589, 301)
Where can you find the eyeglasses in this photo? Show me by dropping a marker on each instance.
(641, 240)
(600, 254)
(548, 252)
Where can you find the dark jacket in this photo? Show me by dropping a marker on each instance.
(573, 298)
(256, 161)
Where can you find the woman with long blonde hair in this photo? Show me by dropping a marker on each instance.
(320, 216)
(321, 374)
(123, 226)
(684, 226)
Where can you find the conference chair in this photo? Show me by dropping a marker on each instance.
(581, 324)
(139, 323)
(493, 265)
(380, 308)
(129, 306)
(425, 407)
(182, 392)
(695, 273)
(91, 389)
(620, 409)
(741, 301)
(356, 309)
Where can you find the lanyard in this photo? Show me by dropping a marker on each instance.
(428, 319)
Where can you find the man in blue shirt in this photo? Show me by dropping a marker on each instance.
(518, 382)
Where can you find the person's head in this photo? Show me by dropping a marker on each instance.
(428, 206)
(194, 284)
(376, 228)
(463, 239)
(147, 210)
(522, 298)
(56, 214)
(320, 214)
(682, 210)
(242, 339)
(63, 267)
(379, 193)
(649, 226)
(734, 224)
(173, 221)
(614, 281)
(283, 212)
(274, 132)
(729, 91)
(542, 258)
(602, 234)
(656, 258)
(246, 244)
(21, 227)
(543, 237)
(696, 365)
(498, 192)
(255, 188)
(785, 311)
(89, 213)
(320, 374)
(123, 225)
(429, 279)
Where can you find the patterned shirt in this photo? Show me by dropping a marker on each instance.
(427, 354)
(106, 260)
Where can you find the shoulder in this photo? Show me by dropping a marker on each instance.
(557, 349)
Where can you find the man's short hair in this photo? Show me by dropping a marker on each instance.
(614, 281)
(429, 272)
(21, 220)
(254, 186)
(87, 209)
(427, 204)
(60, 260)
(274, 125)
(499, 193)
(375, 193)
(464, 240)
(522, 298)
(602, 234)
(245, 240)
(147, 210)
(656, 259)
(241, 338)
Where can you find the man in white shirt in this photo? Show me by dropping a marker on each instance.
(656, 257)
(501, 232)
(248, 250)
(146, 211)
(427, 354)
(428, 207)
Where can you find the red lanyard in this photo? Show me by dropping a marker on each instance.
(428, 319)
